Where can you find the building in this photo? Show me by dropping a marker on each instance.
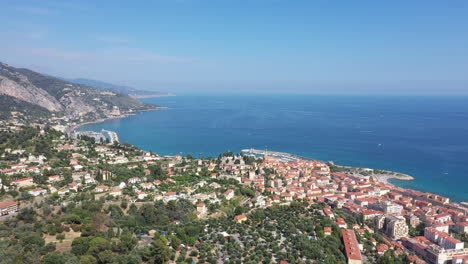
(412, 220)
(7, 208)
(461, 227)
(24, 182)
(201, 209)
(229, 194)
(115, 192)
(353, 254)
(445, 256)
(379, 221)
(396, 227)
(100, 189)
(341, 222)
(387, 207)
(55, 178)
(240, 218)
(328, 212)
(37, 192)
(442, 239)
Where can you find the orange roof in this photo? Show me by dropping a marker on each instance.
(23, 179)
(351, 244)
(6, 204)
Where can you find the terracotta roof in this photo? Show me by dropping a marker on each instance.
(6, 204)
(351, 244)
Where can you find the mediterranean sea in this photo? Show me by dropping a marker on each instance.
(424, 136)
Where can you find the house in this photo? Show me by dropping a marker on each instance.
(74, 186)
(132, 166)
(328, 212)
(341, 222)
(134, 180)
(240, 218)
(101, 149)
(34, 169)
(327, 230)
(115, 192)
(65, 147)
(381, 249)
(147, 185)
(100, 189)
(141, 195)
(89, 180)
(24, 182)
(229, 194)
(37, 192)
(77, 167)
(63, 191)
(7, 208)
(55, 178)
(201, 209)
(51, 188)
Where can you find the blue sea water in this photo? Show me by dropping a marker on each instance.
(426, 137)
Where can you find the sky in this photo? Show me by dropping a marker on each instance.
(258, 46)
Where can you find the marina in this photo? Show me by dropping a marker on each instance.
(282, 156)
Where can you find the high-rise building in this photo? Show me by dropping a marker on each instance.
(396, 227)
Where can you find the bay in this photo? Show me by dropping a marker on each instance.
(424, 136)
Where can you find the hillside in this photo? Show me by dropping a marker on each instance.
(13, 107)
(104, 86)
(61, 98)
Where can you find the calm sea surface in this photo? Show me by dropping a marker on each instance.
(426, 137)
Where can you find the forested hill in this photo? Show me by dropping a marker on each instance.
(61, 98)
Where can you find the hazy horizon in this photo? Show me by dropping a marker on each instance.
(256, 46)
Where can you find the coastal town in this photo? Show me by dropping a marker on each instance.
(47, 174)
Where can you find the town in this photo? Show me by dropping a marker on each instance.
(224, 209)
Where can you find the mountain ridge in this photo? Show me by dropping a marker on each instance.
(128, 90)
(78, 102)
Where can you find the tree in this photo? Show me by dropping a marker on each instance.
(80, 245)
(158, 252)
(97, 245)
(88, 259)
(106, 257)
(59, 258)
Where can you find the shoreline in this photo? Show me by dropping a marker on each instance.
(386, 178)
(381, 175)
(73, 128)
(151, 96)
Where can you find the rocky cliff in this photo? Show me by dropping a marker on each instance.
(62, 98)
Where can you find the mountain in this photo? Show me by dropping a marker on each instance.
(26, 92)
(104, 86)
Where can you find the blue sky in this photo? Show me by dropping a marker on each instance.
(312, 46)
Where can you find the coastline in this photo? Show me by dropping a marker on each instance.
(74, 127)
(383, 176)
(380, 175)
(152, 96)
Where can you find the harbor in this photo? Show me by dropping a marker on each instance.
(282, 156)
